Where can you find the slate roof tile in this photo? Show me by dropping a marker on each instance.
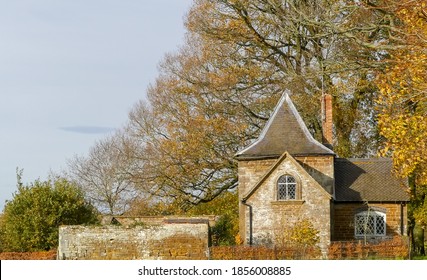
(367, 180)
(285, 131)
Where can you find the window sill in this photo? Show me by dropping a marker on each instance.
(371, 237)
(288, 202)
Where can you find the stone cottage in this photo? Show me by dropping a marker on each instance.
(286, 176)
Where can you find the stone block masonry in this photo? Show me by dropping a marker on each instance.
(144, 242)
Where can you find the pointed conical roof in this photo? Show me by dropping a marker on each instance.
(284, 132)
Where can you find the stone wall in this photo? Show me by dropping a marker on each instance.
(265, 219)
(249, 173)
(179, 241)
(321, 168)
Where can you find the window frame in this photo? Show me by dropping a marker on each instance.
(366, 215)
(286, 185)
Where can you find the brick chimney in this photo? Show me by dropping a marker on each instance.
(327, 136)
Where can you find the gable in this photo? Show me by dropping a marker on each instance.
(285, 131)
(301, 172)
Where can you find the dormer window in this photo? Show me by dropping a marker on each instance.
(286, 188)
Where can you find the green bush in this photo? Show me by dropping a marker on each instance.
(31, 219)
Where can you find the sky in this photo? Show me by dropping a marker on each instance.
(70, 71)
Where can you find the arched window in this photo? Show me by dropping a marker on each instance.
(286, 188)
(370, 223)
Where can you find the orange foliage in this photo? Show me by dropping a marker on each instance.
(48, 255)
(264, 253)
(397, 248)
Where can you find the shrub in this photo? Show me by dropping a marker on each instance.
(32, 218)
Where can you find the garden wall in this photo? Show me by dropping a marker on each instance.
(169, 241)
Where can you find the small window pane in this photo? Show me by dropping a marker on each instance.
(380, 225)
(286, 188)
(360, 221)
(282, 179)
(370, 225)
(281, 192)
(292, 191)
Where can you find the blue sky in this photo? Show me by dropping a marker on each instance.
(70, 71)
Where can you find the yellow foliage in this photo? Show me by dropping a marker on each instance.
(238, 239)
(304, 233)
(403, 96)
(301, 233)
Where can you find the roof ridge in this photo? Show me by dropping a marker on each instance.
(364, 159)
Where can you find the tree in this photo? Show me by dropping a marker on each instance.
(103, 175)
(215, 94)
(225, 206)
(308, 47)
(188, 144)
(31, 219)
(403, 107)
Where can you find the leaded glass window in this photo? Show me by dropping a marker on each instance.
(370, 223)
(286, 188)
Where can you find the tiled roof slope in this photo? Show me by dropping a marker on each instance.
(285, 131)
(367, 180)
